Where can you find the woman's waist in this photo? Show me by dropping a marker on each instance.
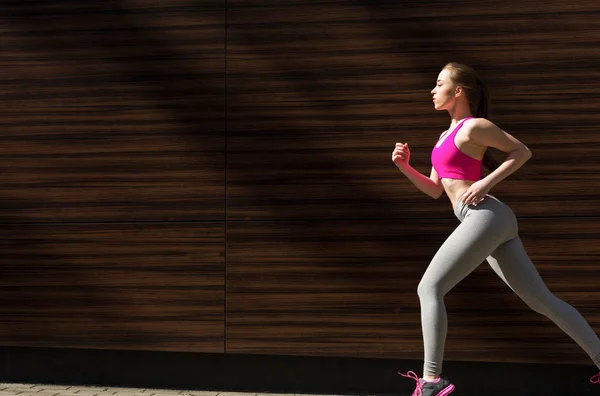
(455, 188)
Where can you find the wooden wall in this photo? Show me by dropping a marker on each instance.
(216, 176)
(113, 174)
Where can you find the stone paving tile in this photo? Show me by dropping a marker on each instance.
(19, 387)
(51, 393)
(162, 393)
(51, 387)
(238, 394)
(64, 393)
(125, 392)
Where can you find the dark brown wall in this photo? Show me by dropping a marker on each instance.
(113, 174)
(217, 177)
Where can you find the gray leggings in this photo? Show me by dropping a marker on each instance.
(489, 231)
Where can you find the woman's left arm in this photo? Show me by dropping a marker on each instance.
(486, 133)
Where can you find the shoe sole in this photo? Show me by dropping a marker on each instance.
(446, 391)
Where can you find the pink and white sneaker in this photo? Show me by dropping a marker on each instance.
(440, 387)
(595, 379)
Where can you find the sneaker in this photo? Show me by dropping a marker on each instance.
(440, 387)
(595, 379)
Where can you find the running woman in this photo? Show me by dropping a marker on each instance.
(488, 227)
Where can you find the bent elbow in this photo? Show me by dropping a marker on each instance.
(437, 194)
(527, 152)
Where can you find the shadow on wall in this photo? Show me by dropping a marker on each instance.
(304, 93)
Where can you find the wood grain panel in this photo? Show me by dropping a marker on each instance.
(106, 286)
(112, 111)
(319, 94)
(348, 288)
(127, 77)
(167, 186)
(338, 75)
(365, 184)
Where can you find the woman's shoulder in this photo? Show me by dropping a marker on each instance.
(478, 122)
(478, 125)
(483, 132)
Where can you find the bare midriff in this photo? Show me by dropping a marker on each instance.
(454, 188)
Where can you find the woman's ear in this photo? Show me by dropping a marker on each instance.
(458, 91)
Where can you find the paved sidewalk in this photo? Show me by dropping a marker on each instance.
(21, 389)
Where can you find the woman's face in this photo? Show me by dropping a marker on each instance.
(444, 91)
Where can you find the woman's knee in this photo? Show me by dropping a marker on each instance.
(544, 304)
(428, 290)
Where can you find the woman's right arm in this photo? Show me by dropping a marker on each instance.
(429, 185)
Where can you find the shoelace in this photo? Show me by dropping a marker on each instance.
(595, 379)
(419, 389)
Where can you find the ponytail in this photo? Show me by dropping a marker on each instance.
(483, 99)
(490, 160)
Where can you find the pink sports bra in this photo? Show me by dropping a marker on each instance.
(449, 162)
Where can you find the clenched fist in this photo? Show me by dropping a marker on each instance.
(401, 155)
